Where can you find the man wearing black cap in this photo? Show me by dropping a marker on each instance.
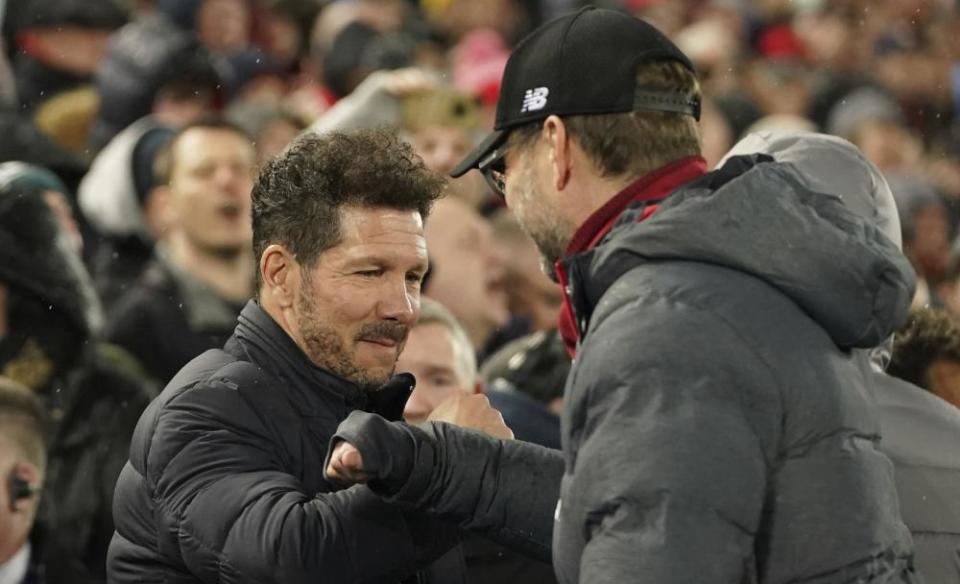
(717, 426)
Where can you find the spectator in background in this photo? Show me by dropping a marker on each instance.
(271, 127)
(154, 67)
(525, 381)
(441, 123)
(189, 297)
(925, 224)
(17, 174)
(57, 45)
(23, 465)
(222, 26)
(441, 358)
(926, 353)
(467, 270)
(532, 296)
(118, 198)
(92, 391)
(358, 50)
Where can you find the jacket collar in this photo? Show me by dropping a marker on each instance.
(271, 347)
(634, 203)
(650, 187)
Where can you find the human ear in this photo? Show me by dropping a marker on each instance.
(558, 142)
(279, 275)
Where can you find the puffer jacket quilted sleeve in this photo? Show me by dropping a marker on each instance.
(208, 496)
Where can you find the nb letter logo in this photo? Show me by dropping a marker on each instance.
(534, 99)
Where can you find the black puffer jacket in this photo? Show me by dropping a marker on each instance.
(225, 480)
(718, 428)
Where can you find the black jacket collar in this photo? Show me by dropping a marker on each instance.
(267, 345)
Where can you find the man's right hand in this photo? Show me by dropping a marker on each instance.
(472, 411)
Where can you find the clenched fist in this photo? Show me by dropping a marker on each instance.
(346, 465)
(472, 411)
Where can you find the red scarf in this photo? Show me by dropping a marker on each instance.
(651, 187)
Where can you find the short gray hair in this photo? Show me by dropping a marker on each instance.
(432, 312)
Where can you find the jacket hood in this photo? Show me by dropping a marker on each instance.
(764, 218)
(830, 164)
(108, 193)
(36, 257)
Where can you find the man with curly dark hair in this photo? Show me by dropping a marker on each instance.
(225, 480)
(926, 353)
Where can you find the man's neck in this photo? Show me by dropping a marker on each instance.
(230, 276)
(598, 191)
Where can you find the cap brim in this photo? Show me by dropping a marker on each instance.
(489, 144)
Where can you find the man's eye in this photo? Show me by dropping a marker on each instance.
(441, 381)
(414, 278)
(370, 273)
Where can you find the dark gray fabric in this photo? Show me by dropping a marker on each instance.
(921, 435)
(505, 490)
(717, 426)
(225, 479)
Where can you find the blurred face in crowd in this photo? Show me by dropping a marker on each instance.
(441, 147)
(274, 138)
(930, 247)
(888, 145)
(351, 312)
(468, 270)
(943, 379)
(16, 517)
(437, 360)
(223, 25)
(532, 294)
(211, 176)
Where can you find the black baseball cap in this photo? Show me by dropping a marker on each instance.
(581, 63)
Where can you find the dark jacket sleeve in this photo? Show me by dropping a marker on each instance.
(218, 484)
(670, 417)
(504, 489)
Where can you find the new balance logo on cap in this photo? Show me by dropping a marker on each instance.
(534, 99)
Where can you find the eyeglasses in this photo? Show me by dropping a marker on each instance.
(494, 170)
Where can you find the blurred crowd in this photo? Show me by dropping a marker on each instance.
(132, 131)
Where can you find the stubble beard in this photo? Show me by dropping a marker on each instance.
(546, 228)
(326, 348)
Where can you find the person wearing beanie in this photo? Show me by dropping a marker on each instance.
(92, 392)
(117, 198)
(18, 174)
(193, 287)
(59, 44)
(152, 66)
(715, 426)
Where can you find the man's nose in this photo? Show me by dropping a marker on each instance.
(398, 302)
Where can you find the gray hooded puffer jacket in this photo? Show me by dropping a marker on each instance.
(920, 432)
(719, 422)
